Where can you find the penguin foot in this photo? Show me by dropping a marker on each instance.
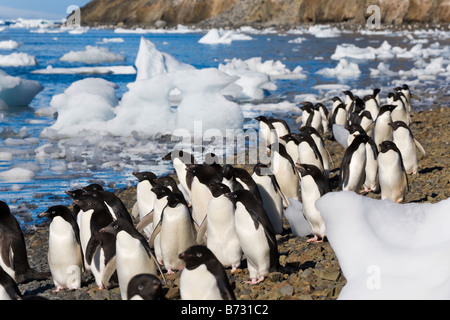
(315, 239)
(58, 289)
(255, 281)
(170, 271)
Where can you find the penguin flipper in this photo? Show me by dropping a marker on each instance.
(201, 232)
(108, 271)
(419, 146)
(155, 232)
(91, 247)
(145, 221)
(135, 211)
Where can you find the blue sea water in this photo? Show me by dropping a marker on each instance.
(47, 187)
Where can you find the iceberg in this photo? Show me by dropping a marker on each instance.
(344, 69)
(9, 45)
(17, 59)
(88, 70)
(15, 91)
(92, 55)
(220, 36)
(387, 250)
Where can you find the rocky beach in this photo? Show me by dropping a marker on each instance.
(308, 271)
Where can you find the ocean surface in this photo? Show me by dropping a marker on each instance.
(373, 59)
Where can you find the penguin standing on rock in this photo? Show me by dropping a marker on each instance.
(407, 144)
(352, 174)
(145, 197)
(65, 257)
(133, 254)
(256, 235)
(382, 130)
(314, 185)
(392, 175)
(204, 277)
(13, 252)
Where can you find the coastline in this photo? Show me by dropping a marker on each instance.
(308, 271)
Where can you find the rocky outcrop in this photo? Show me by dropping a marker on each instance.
(259, 13)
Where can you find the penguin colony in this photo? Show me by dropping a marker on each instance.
(209, 217)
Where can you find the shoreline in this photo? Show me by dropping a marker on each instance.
(308, 271)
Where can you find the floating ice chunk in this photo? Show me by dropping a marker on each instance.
(386, 250)
(220, 36)
(324, 31)
(112, 40)
(150, 62)
(382, 70)
(344, 69)
(9, 45)
(88, 70)
(92, 55)
(15, 91)
(17, 175)
(6, 156)
(298, 40)
(17, 59)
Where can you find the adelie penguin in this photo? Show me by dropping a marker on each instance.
(352, 173)
(408, 146)
(65, 258)
(222, 238)
(392, 175)
(13, 251)
(176, 231)
(133, 254)
(203, 277)
(314, 185)
(256, 235)
(145, 199)
(382, 130)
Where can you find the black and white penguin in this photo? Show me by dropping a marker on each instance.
(204, 277)
(201, 176)
(284, 170)
(13, 251)
(8, 287)
(349, 97)
(356, 108)
(352, 173)
(169, 182)
(176, 231)
(308, 152)
(229, 178)
(271, 194)
(324, 114)
(246, 181)
(112, 202)
(133, 254)
(291, 145)
(145, 286)
(281, 127)
(311, 116)
(222, 239)
(408, 145)
(314, 185)
(145, 198)
(399, 113)
(267, 131)
(371, 105)
(366, 121)
(336, 101)
(320, 144)
(391, 173)
(100, 248)
(65, 257)
(382, 131)
(181, 160)
(256, 235)
(338, 117)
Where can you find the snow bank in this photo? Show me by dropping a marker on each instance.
(92, 55)
(150, 62)
(388, 250)
(88, 70)
(9, 45)
(15, 91)
(17, 59)
(220, 36)
(344, 69)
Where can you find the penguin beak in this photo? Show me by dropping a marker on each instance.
(43, 214)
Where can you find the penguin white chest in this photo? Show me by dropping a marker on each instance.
(199, 284)
(145, 198)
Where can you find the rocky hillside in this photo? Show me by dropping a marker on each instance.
(259, 13)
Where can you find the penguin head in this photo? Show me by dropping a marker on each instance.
(88, 202)
(145, 175)
(195, 256)
(307, 169)
(261, 169)
(386, 108)
(308, 130)
(55, 211)
(217, 189)
(349, 94)
(147, 286)
(185, 157)
(4, 209)
(74, 194)
(161, 191)
(355, 129)
(228, 171)
(398, 124)
(94, 187)
(336, 99)
(116, 226)
(166, 181)
(174, 199)
(387, 145)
